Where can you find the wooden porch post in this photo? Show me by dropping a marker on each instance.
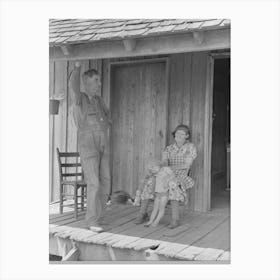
(208, 132)
(201, 128)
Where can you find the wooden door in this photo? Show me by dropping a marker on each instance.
(139, 112)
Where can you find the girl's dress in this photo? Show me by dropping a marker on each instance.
(164, 179)
(148, 187)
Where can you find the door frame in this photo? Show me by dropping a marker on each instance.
(131, 62)
(208, 128)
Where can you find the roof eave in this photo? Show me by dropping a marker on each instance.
(156, 35)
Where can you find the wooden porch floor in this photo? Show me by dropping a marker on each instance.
(203, 230)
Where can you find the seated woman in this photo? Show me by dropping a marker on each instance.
(179, 157)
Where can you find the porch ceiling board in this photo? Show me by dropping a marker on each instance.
(213, 40)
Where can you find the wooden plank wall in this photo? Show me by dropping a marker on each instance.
(187, 92)
(179, 92)
(187, 105)
(198, 92)
(63, 132)
(51, 131)
(139, 99)
(60, 121)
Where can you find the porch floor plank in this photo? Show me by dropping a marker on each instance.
(67, 220)
(65, 216)
(113, 217)
(218, 237)
(185, 229)
(197, 230)
(161, 232)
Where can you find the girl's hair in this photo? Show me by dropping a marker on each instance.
(90, 73)
(183, 127)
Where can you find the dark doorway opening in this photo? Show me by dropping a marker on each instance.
(220, 161)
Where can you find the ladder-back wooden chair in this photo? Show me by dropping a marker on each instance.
(71, 178)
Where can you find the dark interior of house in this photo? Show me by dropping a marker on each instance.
(220, 162)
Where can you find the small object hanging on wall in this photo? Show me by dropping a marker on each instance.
(54, 106)
(54, 103)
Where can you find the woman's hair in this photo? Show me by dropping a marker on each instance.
(184, 128)
(90, 73)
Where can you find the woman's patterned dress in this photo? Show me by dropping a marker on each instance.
(174, 156)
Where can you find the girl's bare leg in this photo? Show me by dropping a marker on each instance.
(162, 205)
(155, 211)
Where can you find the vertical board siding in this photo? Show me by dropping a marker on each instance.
(198, 90)
(105, 93)
(71, 141)
(106, 82)
(60, 120)
(207, 135)
(138, 93)
(161, 110)
(185, 103)
(179, 92)
(63, 131)
(71, 127)
(51, 131)
(176, 93)
(179, 105)
(186, 100)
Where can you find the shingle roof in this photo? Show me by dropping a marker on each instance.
(73, 31)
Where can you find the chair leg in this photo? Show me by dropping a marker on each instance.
(61, 199)
(82, 198)
(76, 202)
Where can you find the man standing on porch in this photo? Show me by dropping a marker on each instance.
(93, 121)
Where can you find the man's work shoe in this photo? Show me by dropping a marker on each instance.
(173, 224)
(141, 218)
(96, 228)
(102, 222)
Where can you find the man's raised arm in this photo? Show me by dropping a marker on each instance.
(74, 83)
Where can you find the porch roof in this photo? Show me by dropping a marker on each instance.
(73, 31)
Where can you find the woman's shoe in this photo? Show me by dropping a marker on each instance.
(173, 224)
(141, 218)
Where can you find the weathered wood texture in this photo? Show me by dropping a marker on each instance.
(51, 131)
(60, 120)
(139, 103)
(177, 43)
(197, 104)
(144, 115)
(63, 131)
(201, 236)
(179, 92)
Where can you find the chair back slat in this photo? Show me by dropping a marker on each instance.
(70, 154)
(67, 165)
(72, 174)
